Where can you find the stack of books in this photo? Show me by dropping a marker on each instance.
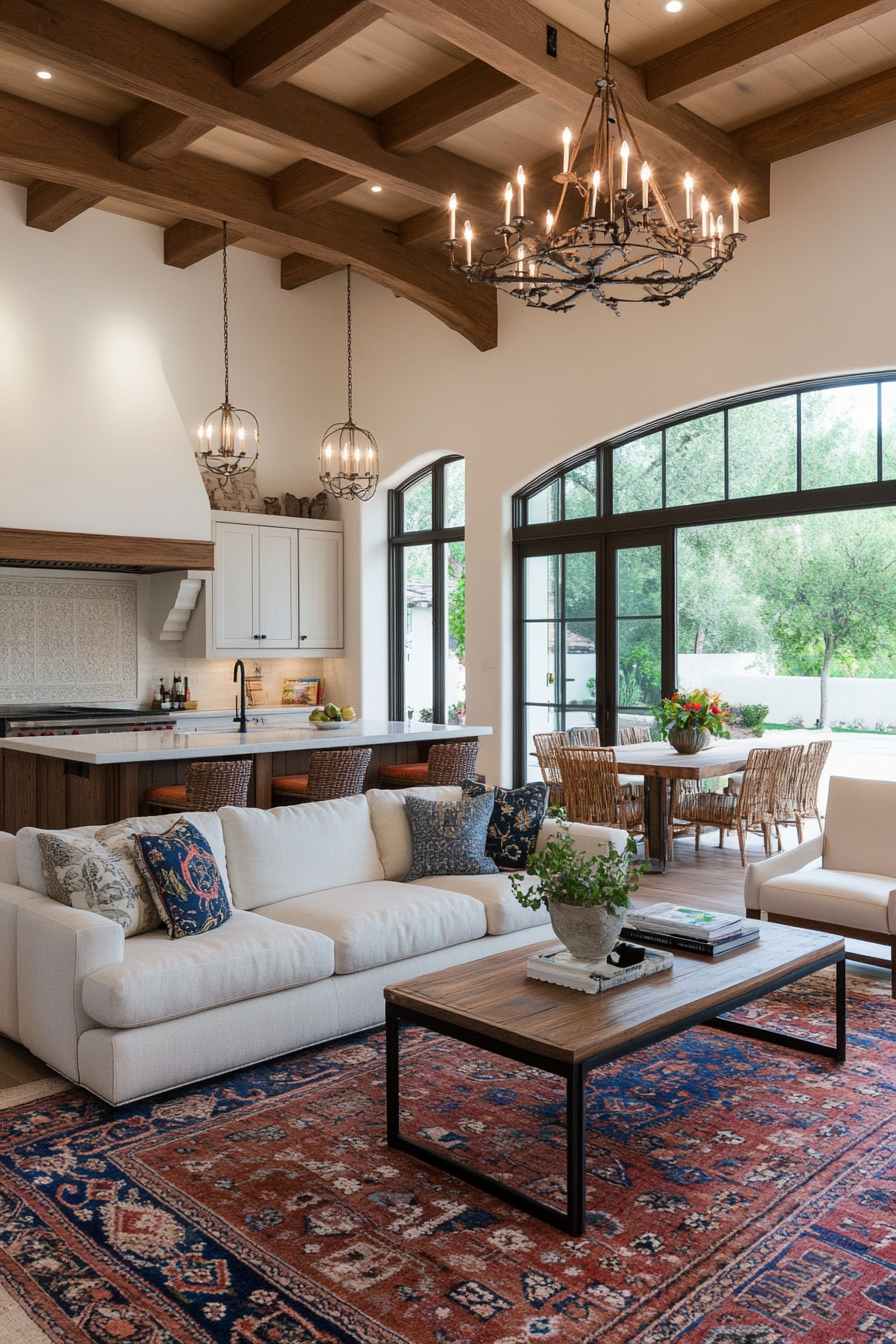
(560, 967)
(680, 929)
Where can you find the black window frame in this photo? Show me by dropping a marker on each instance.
(605, 527)
(437, 536)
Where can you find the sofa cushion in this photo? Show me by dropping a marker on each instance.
(858, 826)
(503, 912)
(288, 851)
(208, 824)
(853, 900)
(28, 857)
(389, 819)
(374, 923)
(449, 837)
(183, 880)
(516, 818)
(160, 979)
(83, 873)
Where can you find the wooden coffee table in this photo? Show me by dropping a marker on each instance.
(492, 1004)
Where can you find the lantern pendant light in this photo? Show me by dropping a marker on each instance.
(349, 457)
(226, 430)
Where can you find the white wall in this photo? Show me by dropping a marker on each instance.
(795, 303)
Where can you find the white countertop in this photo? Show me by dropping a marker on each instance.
(120, 748)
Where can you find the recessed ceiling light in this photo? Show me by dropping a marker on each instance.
(44, 74)
(674, 7)
(376, 188)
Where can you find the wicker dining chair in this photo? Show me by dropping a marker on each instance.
(337, 773)
(546, 746)
(593, 793)
(447, 763)
(751, 809)
(583, 737)
(208, 786)
(798, 801)
(631, 737)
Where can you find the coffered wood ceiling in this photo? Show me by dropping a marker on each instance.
(283, 118)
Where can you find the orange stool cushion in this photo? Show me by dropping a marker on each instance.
(289, 784)
(404, 776)
(170, 795)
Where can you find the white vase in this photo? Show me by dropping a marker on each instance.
(588, 931)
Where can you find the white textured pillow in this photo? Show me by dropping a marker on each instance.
(87, 875)
(207, 823)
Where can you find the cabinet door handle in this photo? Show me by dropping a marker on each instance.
(303, 637)
(262, 636)
(256, 636)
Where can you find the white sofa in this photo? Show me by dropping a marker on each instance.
(842, 881)
(321, 922)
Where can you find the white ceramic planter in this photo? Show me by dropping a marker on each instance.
(589, 932)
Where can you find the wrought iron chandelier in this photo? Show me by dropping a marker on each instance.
(628, 247)
(223, 430)
(349, 457)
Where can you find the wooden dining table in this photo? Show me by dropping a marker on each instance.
(660, 764)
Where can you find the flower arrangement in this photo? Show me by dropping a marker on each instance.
(696, 710)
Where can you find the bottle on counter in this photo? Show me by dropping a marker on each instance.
(186, 690)
(177, 695)
(164, 695)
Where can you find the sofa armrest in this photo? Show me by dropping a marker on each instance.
(11, 897)
(790, 861)
(57, 948)
(590, 840)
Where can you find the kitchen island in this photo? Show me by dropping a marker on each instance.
(97, 778)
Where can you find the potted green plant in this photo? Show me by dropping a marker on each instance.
(690, 718)
(587, 897)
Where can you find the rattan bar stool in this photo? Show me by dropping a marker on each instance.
(337, 773)
(448, 763)
(208, 786)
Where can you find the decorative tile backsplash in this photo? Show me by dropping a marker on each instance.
(65, 640)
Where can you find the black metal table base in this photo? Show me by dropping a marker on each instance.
(572, 1220)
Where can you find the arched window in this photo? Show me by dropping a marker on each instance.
(427, 592)
(642, 558)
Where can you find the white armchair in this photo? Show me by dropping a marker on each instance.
(843, 881)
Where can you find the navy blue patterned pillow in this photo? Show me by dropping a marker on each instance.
(515, 821)
(448, 839)
(183, 879)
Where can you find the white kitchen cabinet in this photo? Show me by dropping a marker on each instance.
(320, 590)
(256, 587)
(276, 591)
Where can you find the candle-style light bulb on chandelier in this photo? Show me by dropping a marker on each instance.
(628, 246)
(349, 457)
(226, 430)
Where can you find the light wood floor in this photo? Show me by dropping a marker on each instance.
(710, 880)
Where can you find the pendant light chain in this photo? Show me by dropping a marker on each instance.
(349, 457)
(348, 310)
(226, 329)
(607, 40)
(228, 436)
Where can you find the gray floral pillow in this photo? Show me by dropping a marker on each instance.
(88, 875)
(448, 839)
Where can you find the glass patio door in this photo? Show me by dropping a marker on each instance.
(640, 636)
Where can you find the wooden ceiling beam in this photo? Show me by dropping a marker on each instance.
(305, 184)
(296, 270)
(38, 141)
(834, 116)
(730, 52)
(450, 105)
(148, 555)
(293, 37)
(50, 204)
(153, 134)
(104, 42)
(512, 37)
(187, 242)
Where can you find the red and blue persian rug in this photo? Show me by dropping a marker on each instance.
(738, 1194)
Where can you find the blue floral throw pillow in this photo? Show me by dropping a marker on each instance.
(448, 839)
(515, 821)
(183, 879)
